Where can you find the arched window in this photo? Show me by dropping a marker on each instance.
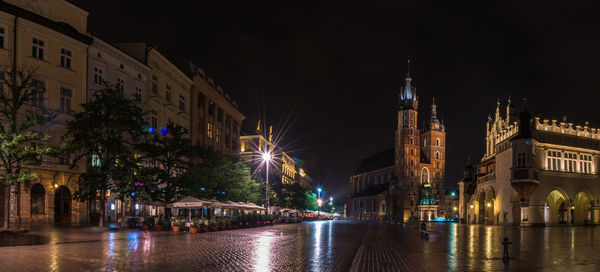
(424, 175)
(412, 141)
(38, 199)
(437, 141)
(425, 142)
(437, 155)
(412, 152)
(412, 131)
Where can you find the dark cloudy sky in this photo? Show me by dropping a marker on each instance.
(336, 67)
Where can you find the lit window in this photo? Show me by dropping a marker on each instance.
(209, 131)
(37, 48)
(65, 58)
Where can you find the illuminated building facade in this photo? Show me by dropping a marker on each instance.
(408, 182)
(215, 119)
(534, 172)
(168, 87)
(286, 169)
(50, 38)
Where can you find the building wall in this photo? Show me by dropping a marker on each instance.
(215, 118)
(116, 67)
(52, 172)
(519, 177)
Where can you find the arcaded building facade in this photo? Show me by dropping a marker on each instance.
(407, 182)
(535, 171)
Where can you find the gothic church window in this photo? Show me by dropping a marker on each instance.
(437, 142)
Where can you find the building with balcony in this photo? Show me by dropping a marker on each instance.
(534, 172)
(48, 37)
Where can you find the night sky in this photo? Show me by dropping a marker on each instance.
(334, 69)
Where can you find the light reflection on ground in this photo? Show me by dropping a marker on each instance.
(310, 246)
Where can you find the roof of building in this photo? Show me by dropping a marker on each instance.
(60, 27)
(378, 161)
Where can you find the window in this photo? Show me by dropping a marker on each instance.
(201, 100)
(437, 155)
(98, 74)
(138, 94)
(65, 58)
(37, 48)
(121, 66)
(211, 108)
(168, 93)
(154, 84)
(217, 135)
(37, 99)
(209, 132)
(220, 115)
(182, 103)
(412, 131)
(154, 119)
(228, 121)
(2, 37)
(412, 141)
(65, 100)
(120, 83)
(437, 141)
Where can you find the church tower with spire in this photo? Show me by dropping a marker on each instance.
(407, 134)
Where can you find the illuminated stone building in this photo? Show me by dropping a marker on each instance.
(285, 169)
(109, 65)
(408, 182)
(50, 38)
(215, 119)
(534, 171)
(168, 87)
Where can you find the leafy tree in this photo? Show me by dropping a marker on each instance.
(168, 153)
(20, 144)
(104, 132)
(222, 177)
(330, 208)
(310, 200)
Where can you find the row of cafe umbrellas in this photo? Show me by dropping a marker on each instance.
(192, 202)
(189, 202)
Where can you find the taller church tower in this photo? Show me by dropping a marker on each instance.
(407, 151)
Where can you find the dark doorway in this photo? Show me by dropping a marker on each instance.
(62, 205)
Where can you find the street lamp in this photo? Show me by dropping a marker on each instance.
(266, 157)
(319, 203)
(331, 199)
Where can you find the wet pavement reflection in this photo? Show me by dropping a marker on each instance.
(309, 246)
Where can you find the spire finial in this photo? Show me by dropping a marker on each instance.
(498, 102)
(509, 100)
(408, 68)
(433, 100)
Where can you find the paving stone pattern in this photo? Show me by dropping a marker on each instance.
(310, 246)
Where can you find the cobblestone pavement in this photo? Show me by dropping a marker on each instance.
(311, 246)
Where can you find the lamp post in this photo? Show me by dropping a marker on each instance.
(319, 201)
(267, 159)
